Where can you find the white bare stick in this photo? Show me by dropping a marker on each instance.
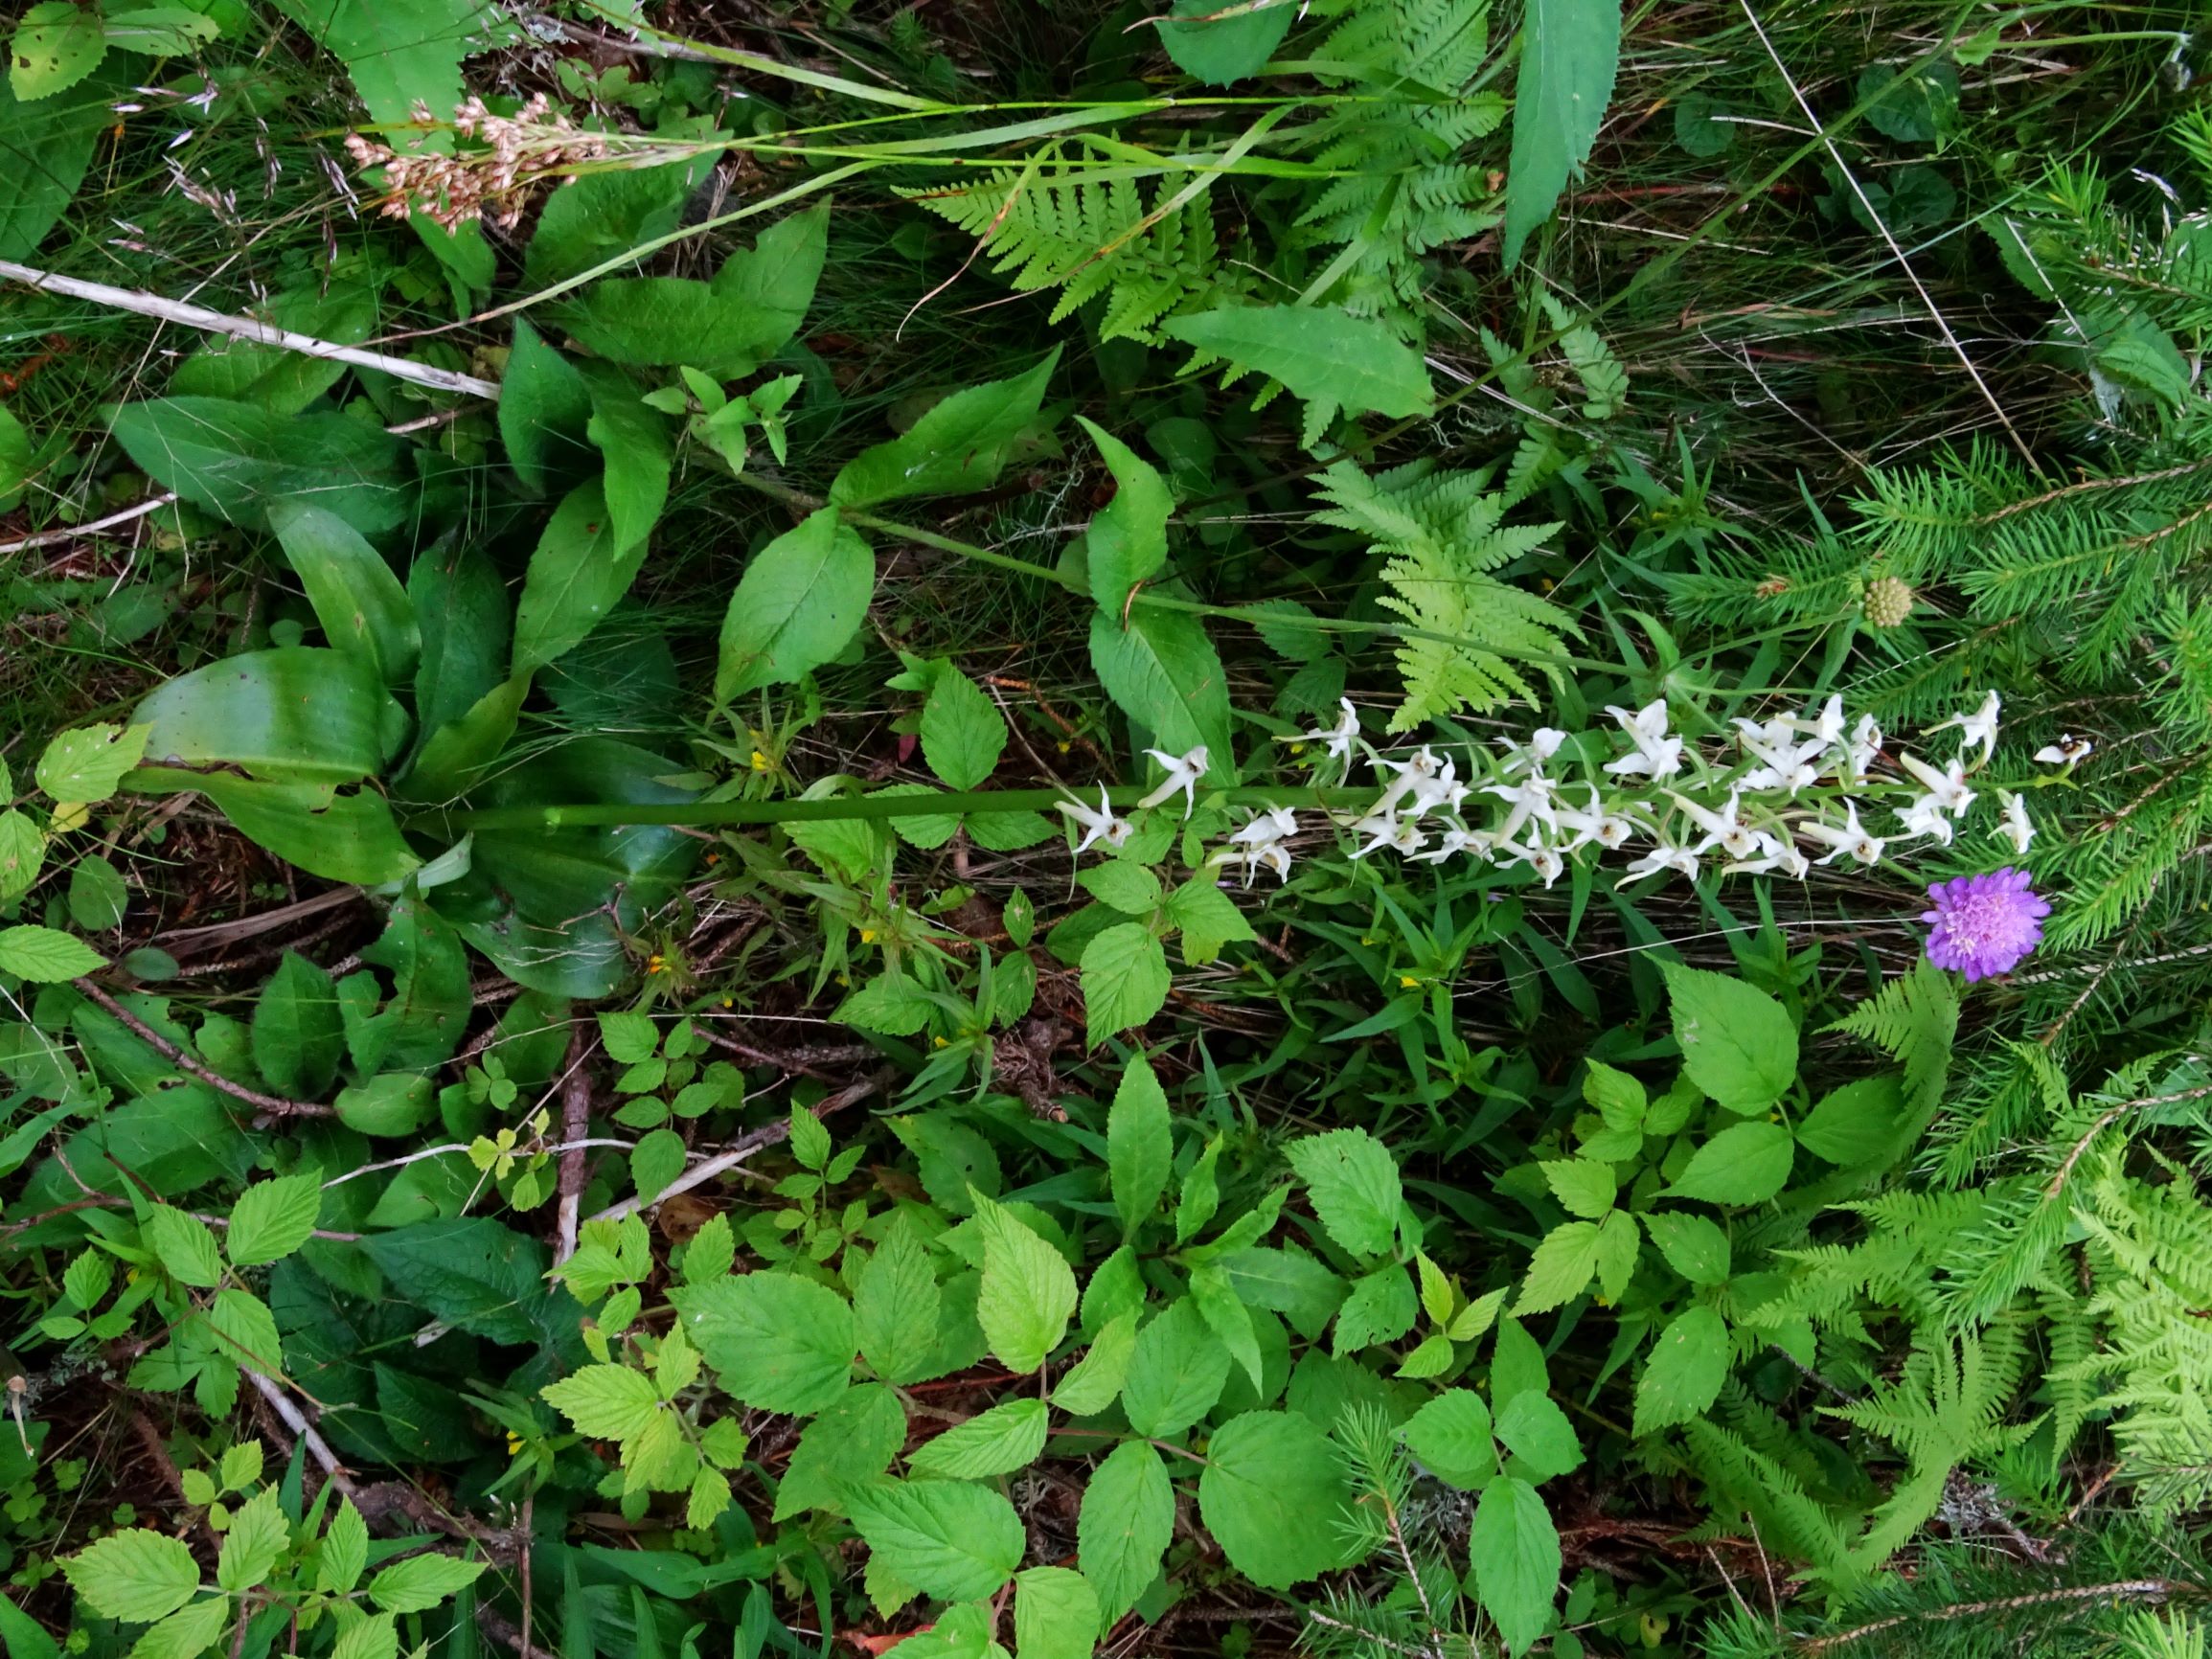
(71, 531)
(317, 1447)
(191, 316)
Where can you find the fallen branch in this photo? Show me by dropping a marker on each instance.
(747, 1144)
(261, 333)
(276, 1105)
(71, 531)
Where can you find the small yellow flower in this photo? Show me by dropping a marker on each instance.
(729, 1002)
(1297, 748)
(941, 1042)
(513, 1443)
(1407, 981)
(1065, 745)
(867, 936)
(760, 761)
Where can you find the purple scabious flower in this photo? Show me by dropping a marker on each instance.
(1984, 924)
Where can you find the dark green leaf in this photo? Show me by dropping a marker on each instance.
(1569, 52)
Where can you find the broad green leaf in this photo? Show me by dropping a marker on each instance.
(186, 1633)
(1028, 1290)
(543, 400)
(1738, 1044)
(56, 43)
(355, 596)
(1298, 1286)
(1354, 1183)
(1274, 1495)
(1177, 1372)
(257, 1536)
(1619, 1098)
(290, 715)
(342, 835)
(98, 895)
(21, 1637)
(184, 1245)
(1380, 1307)
(1092, 1383)
(328, 308)
(1743, 1164)
(1164, 674)
(1139, 1153)
(1130, 888)
(473, 1274)
(962, 733)
(1218, 50)
(375, 1637)
(61, 132)
(1860, 1121)
(404, 52)
(1451, 1436)
(1564, 1262)
(599, 215)
(800, 600)
(606, 1401)
(345, 1551)
(273, 1218)
(1209, 919)
(134, 1575)
(1583, 1186)
(1532, 1428)
(951, 1539)
(1056, 1614)
(1618, 1243)
(1516, 1553)
(22, 854)
(419, 1583)
(576, 576)
(160, 31)
(959, 446)
(1125, 978)
(780, 1343)
(246, 1332)
(992, 1442)
(850, 1444)
(635, 439)
(1327, 358)
(1688, 1363)
(45, 954)
(1570, 49)
(239, 458)
(1123, 1529)
(88, 764)
(1127, 540)
(1694, 1246)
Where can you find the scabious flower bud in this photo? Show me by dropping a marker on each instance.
(1888, 602)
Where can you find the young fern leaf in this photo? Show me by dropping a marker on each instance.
(1440, 535)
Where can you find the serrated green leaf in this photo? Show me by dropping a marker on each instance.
(1139, 1151)
(1274, 1495)
(1177, 1372)
(1688, 1364)
(1125, 978)
(1451, 1437)
(1583, 1186)
(1515, 1551)
(850, 1444)
(800, 600)
(273, 1218)
(184, 1245)
(1355, 1187)
(46, 955)
(1093, 1382)
(1028, 1290)
(134, 1575)
(1566, 1260)
(1323, 355)
(992, 1442)
(421, 1582)
(606, 1401)
(1743, 1164)
(951, 1539)
(1738, 1044)
(958, 446)
(88, 764)
(257, 1536)
(962, 733)
(1056, 1614)
(779, 1342)
(1164, 674)
(895, 1303)
(1123, 1529)
(1532, 1428)
(1569, 54)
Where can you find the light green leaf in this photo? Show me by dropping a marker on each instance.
(345, 1551)
(184, 1245)
(98, 895)
(185, 1634)
(780, 1343)
(962, 733)
(394, 1103)
(88, 764)
(257, 1536)
(21, 1637)
(1123, 1529)
(421, 1582)
(355, 596)
(1451, 1434)
(1327, 358)
(1532, 1428)
(1274, 1495)
(959, 446)
(56, 43)
(1688, 1365)
(1569, 53)
(1127, 886)
(22, 854)
(850, 1444)
(543, 401)
(1177, 1372)
(896, 1302)
(1743, 1164)
(1381, 1308)
(606, 1401)
(1618, 1243)
(46, 955)
(1164, 674)
(1028, 1290)
(1209, 919)
(246, 1332)
(1355, 1187)
(951, 1539)
(1229, 1319)
(1738, 1044)
(1056, 1614)
(1125, 978)
(1127, 540)
(1091, 1384)
(992, 1442)
(1563, 1267)
(578, 574)
(799, 602)
(340, 836)
(160, 31)
(134, 1575)
(1694, 1247)
(1859, 1121)
(635, 439)
(1585, 1186)
(273, 1218)
(1515, 1551)
(375, 1637)
(1139, 1153)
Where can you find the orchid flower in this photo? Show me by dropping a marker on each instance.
(1099, 825)
(1341, 737)
(1183, 774)
(2065, 752)
(1543, 859)
(1423, 767)
(1924, 816)
(1774, 853)
(1979, 727)
(1947, 788)
(1658, 753)
(1542, 745)
(2018, 828)
(1456, 838)
(1863, 749)
(1724, 828)
(1608, 830)
(1849, 836)
(1684, 860)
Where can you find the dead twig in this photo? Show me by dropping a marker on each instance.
(275, 1105)
(574, 1125)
